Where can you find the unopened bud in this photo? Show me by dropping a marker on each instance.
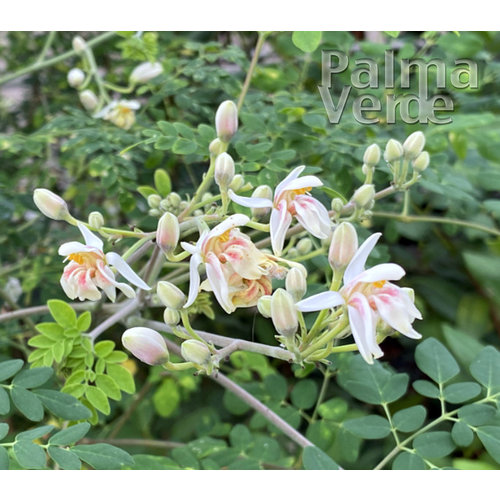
(75, 77)
(171, 316)
(224, 170)
(168, 232)
(196, 352)
(154, 200)
(295, 283)
(264, 306)
(421, 162)
(207, 196)
(50, 204)
(414, 145)
(364, 196)
(174, 199)
(89, 100)
(170, 295)
(304, 246)
(226, 121)
(393, 151)
(337, 205)
(372, 155)
(96, 220)
(262, 191)
(343, 246)
(79, 44)
(284, 313)
(237, 183)
(216, 147)
(146, 344)
(145, 72)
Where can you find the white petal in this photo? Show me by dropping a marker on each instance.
(194, 279)
(357, 264)
(127, 290)
(90, 238)
(394, 313)
(125, 270)
(362, 325)
(245, 201)
(218, 282)
(230, 223)
(303, 182)
(72, 247)
(279, 223)
(131, 104)
(283, 185)
(312, 215)
(188, 247)
(381, 272)
(320, 301)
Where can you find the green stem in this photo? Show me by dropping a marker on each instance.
(389, 418)
(46, 46)
(322, 393)
(326, 337)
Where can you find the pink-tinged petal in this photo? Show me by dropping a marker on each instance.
(283, 185)
(362, 325)
(86, 287)
(381, 272)
(279, 223)
(218, 283)
(245, 201)
(125, 270)
(320, 301)
(357, 264)
(189, 248)
(308, 181)
(312, 215)
(230, 223)
(90, 238)
(68, 287)
(73, 247)
(194, 279)
(394, 313)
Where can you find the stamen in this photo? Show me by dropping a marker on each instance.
(78, 258)
(379, 284)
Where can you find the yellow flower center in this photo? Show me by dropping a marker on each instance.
(301, 191)
(224, 237)
(379, 284)
(85, 258)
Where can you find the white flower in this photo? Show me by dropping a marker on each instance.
(145, 72)
(89, 270)
(121, 113)
(291, 198)
(370, 298)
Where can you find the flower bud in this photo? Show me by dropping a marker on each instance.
(168, 232)
(421, 162)
(50, 204)
(79, 44)
(364, 196)
(284, 313)
(216, 147)
(304, 246)
(414, 145)
(145, 72)
(171, 316)
(146, 344)
(75, 77)
(393, 151)
(237, 183)
(295, 283)
(262, 191)
(343, 246)
(226, 121)
(337, 205)
(372, 155)
(264, 306)
(196, 352)
(224, 170)
(89, 100)
(154, 200)
(170, 295)
(96, 220)
(174, 199)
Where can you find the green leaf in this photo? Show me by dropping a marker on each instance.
(62, 313)
(434, 444)
(462, 434)
(34, 377)
(63, 405)
(4, 459)
(108, 386)
(4, 430)
(10, 368)
(304, 394)
(66, 459)
(205, 446)
(167, 397)
(97, 399)
(51, 330)
(409, 419)
(486, 369)
(427, 389)
(4, 402)
(84, 321)
(122, 377)
(36, 433)
(29, 455)
(184, 146)
(234, 404)
(307, 41)
(461, 391)
(70, 435)
(392, 34)
(369, 427)
(103, 456)
(463, 345)
(162, 181)
(116, 357)
(104, 348)
(489, 435)
(476, 414)
(240, 437)
(153, 462)
(333, 409)
(41, 341)
(435, 360)
(185, 458)
(27, 403)
(276, 386)
(264, 449)
(408, 461)
(315, 459)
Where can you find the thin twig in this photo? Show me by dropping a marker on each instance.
(152, 443)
